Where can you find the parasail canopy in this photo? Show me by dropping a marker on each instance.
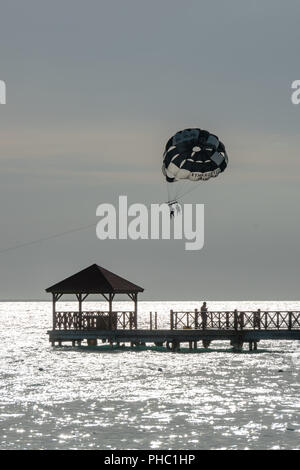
(195, 155)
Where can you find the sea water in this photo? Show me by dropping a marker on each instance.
(97, 398)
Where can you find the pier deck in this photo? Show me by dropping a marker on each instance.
(162, 336)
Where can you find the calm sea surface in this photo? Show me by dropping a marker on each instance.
(71, 398)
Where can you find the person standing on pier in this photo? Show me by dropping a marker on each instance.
(204, 315)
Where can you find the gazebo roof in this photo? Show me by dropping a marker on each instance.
(94, 280)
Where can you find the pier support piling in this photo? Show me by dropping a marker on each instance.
(253, 345)
(175, 346)
(237, 345)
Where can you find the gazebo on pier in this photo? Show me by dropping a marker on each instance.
(100, 281)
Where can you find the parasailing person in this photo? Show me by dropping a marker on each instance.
(191, 155)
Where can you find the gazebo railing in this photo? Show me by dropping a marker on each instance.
(95, 320)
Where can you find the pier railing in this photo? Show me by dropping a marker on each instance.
(95, 320)
(237, 320)
(219, 320)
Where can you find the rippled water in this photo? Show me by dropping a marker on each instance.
(71, 398)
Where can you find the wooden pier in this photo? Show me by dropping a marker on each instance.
(186, 327)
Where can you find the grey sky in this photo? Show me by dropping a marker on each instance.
(94, 90)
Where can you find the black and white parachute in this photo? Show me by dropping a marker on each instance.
(195, 155)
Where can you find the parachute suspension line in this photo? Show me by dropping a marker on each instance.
(173, 204)
(191, 189)
(180, 192)
(176, 196)
(168, 189)
(172, 193)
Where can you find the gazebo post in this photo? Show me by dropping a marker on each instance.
(135, 310)
(133, 319)
(110, 299)
(79, 297)
(54, 310)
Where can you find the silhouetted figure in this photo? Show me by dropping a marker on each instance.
(204, 315)
(178, 209)
(256, 319)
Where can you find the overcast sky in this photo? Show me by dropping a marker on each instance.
(94, 91)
